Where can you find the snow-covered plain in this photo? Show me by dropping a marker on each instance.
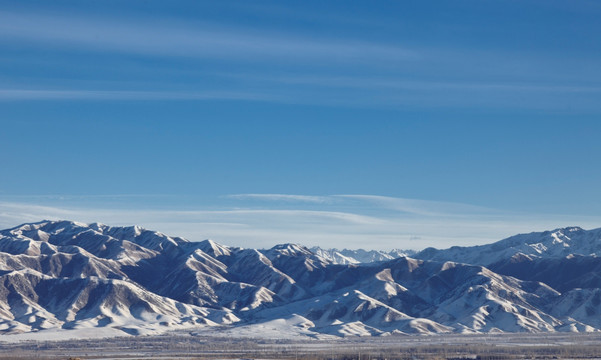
(62, 279)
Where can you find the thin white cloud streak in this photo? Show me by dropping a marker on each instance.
(239, 216)
(486, 96)
(80, 94)
(177, 39)
(371, 83)
(83, 197)
(281, 197)
(401, 92)
(403, 205)
(585, 100)
(350, 229)
(15, 213)
(421, 207)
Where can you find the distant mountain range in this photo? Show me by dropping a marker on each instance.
(68, 275)
(346, 256)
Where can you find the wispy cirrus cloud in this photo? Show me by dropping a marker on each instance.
(343, 221)
(165, 38)
(413, 96)
(84, 196)
(405, 83)
(384, 203)
(282, 197)
(370, 73)
(240, 227)
(420, 207)
(123, 95)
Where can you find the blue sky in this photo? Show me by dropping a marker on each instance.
(448, 122)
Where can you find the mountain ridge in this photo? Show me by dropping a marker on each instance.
(69, 275)
(358, 256)
(560, 242)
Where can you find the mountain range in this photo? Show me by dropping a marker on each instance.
(69, 275)
(358, 256)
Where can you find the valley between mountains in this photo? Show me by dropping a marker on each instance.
(73, 276)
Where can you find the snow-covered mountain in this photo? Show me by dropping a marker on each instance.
(75, 276)
(346, 256)
(547, 244)
(565, 258)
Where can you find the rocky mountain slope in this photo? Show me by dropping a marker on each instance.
(548, 244)
(347, 256)
(565, 259)
(70, 275)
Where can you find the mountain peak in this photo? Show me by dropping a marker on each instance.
(56, 224)
(348, 256)
(213, 248)
(569, 229)
(291, 248)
